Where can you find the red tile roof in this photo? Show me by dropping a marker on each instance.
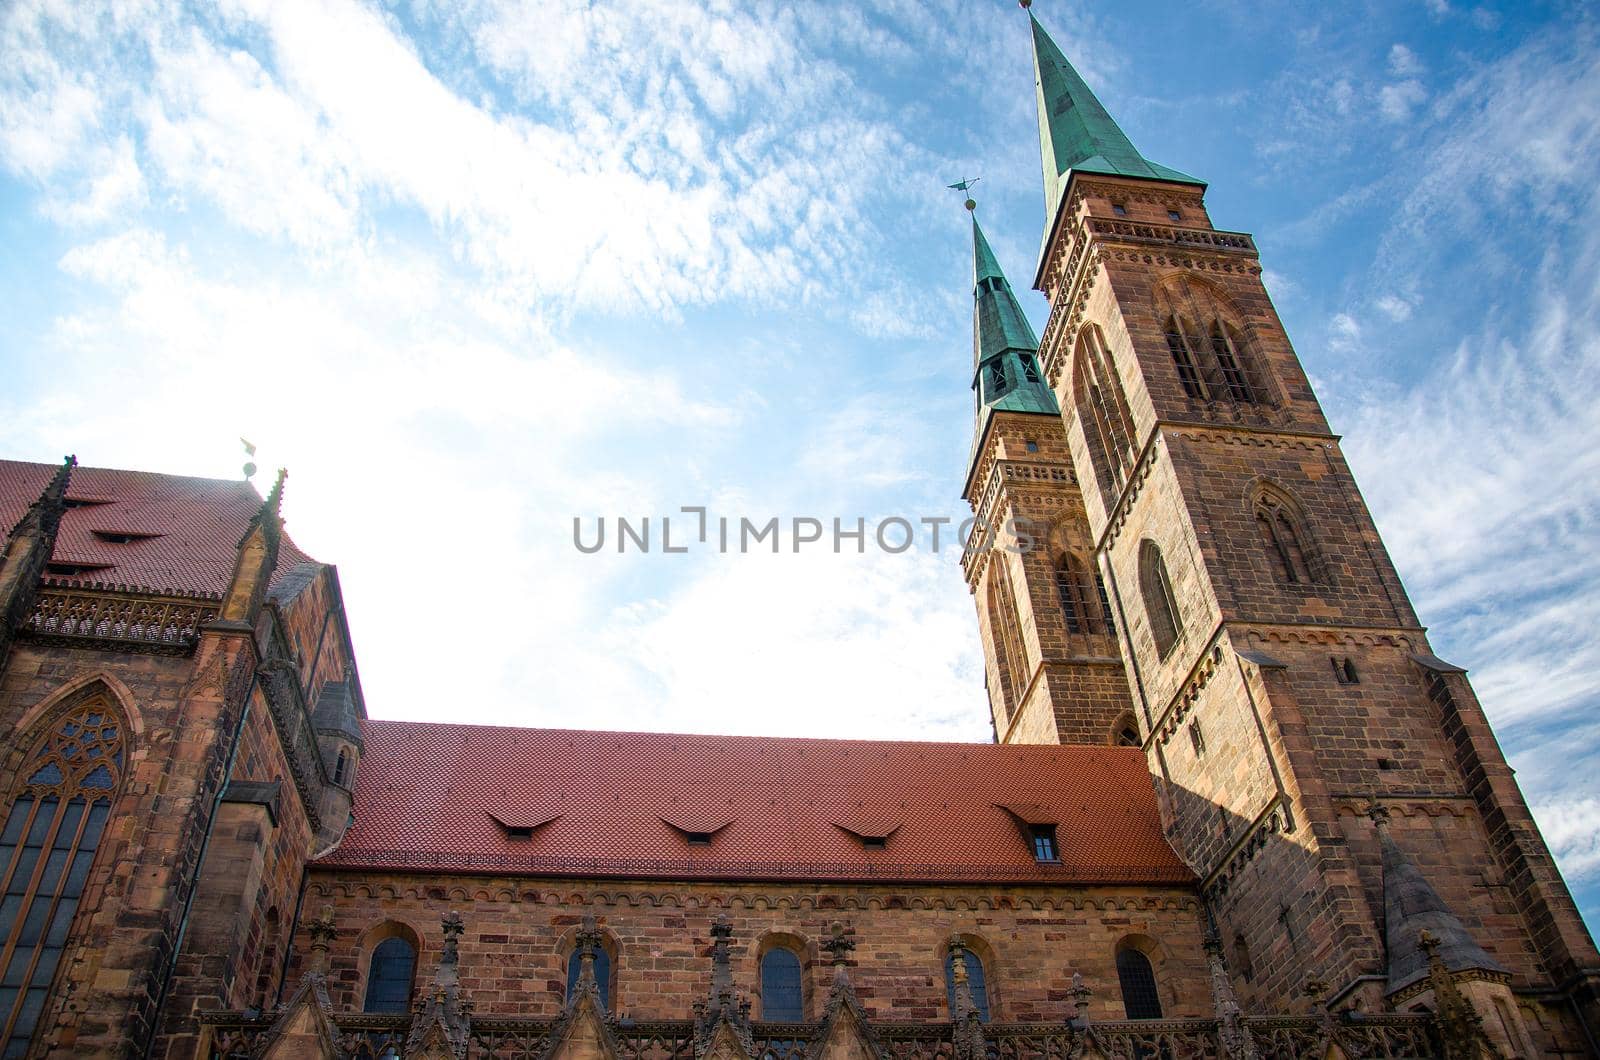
(432, 796)
(195, 523)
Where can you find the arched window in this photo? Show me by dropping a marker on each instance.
(390, 970)
(1103, 410)
(1005, 629)
(1183, 359)
(340, 766)
(782, 996)
(1230, 366)
(53, 827)
(976, 982)
(602, 974)
(1084, 608)
(1279, 526)
(1128, 736)
(1139, 998)
(1159, 603)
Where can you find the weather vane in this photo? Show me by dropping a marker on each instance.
(966, 186)
(249, 465)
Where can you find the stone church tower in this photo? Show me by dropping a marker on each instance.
(1205, 580)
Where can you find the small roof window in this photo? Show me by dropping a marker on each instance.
(1044, 842)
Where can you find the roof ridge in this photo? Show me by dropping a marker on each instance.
(1093, 750)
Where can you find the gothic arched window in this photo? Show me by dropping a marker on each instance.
(1230, 366)
(1280, 528)
(1005, 630)
(782, 996)
(1183, 359)
(57, 816)
(976, 982)
(1084, 608)
(602, 973)
(1159, 603)
(1138, 980)
(1103, 410)
(340, 767)
(390, 971)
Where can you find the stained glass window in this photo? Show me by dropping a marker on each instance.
(52, 829)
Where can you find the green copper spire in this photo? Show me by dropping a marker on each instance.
(1075, 132)
(1005, 354)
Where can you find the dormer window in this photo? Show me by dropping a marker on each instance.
(123, 537)
(875, 842)
(72, 570)
(519, 833)
(1044, 842)
(698, 839)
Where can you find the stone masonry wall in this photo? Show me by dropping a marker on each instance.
(519, 933)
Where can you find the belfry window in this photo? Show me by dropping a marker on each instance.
(1083, 607)
(782, 996)
(1229, 367)
(53, 828)
(1183, 359)
(1028, 371)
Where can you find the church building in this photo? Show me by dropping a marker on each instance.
(1235, 805)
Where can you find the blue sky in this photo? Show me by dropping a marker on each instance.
(473, 269)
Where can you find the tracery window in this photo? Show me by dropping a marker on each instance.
(1084, 608)
(1138, 981)
(1208, 350)
(53, 828)
(1183, 359)
(782, 995)
(1005, 629)
(1103, 409)
(392, 968)
(977, 982)
(1159, 602)
(1281, 533)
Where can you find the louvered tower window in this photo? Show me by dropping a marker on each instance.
(782, 999)
(1183, 359)
(1230, 367)
(53, 827)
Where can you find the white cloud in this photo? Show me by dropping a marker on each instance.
(1397, 101)
(1403, 62)
(1394, 307)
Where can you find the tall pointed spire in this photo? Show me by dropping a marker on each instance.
(1076, 133)
(1005, 353)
